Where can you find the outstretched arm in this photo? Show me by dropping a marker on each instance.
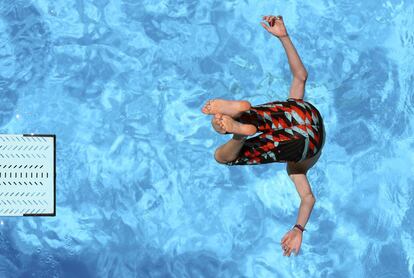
(300, 74)
(307, 199)
(297, 172)
(292, 240)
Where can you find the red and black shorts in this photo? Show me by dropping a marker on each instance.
(291, 130)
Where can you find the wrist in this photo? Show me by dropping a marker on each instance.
(299, 227)
(283, 37)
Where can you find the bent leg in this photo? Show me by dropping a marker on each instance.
(266, 117)
(274, 146)
(230, 150)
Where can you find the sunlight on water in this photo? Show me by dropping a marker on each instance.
(139, 194)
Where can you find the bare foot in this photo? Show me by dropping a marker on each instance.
(228, 124)
(216, 124)
(228, 107)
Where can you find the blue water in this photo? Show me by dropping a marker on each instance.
(139, 194)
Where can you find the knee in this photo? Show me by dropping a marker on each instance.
(248, 104)
(218, 158)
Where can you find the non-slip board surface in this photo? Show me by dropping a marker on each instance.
(27, 175)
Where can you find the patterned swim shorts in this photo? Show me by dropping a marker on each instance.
(291, 130)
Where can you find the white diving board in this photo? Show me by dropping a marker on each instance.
(27, 175)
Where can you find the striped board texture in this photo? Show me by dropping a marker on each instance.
(27, 175)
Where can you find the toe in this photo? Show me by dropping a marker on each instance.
(211, 104)
(224, 124)
(206, 105)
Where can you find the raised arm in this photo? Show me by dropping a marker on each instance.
(277, 28)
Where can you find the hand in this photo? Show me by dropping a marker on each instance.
(276, 26)
(291, 240)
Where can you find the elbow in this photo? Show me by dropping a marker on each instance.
(309, 198)
(302, 76)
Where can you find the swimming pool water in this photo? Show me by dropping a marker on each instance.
(139, 194)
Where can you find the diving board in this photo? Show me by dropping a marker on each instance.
(27, 175)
